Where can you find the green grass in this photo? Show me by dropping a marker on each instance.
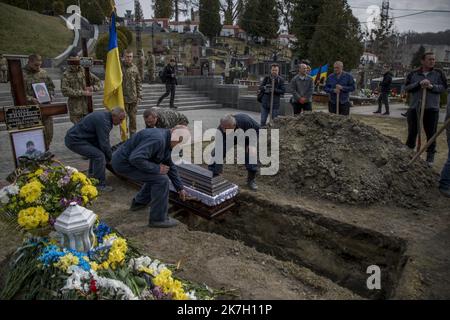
(27, 32)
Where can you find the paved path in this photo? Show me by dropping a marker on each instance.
(209, 119)
(395, 109)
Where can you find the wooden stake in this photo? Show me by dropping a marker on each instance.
(271, 100)
(432, 139)
(337, 102)
(87, 74)
(420, 120)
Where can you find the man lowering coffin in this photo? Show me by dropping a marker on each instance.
(90, 138)
(228, 125)
(147, 158)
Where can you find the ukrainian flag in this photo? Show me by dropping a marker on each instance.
(314, 73)
(113, 94)
(323, 72)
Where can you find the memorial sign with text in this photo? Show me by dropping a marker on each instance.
(22, 117)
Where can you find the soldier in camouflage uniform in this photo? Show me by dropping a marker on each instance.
(132, 89)
(3, 69)
(141, 63)
(32, 73)
(151, 67)
(164, 118)
(73, 86)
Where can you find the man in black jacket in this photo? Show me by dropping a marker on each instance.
(169, 77)
(385, 89)
(266, 87)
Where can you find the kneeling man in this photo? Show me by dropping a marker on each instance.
(90, 138)
(147, 157)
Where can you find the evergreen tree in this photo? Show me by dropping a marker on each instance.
(248, 20)
(415, 62)
(268, 23)
(337, 36)
(210, 18)
(163, 8)
(260, 18)
(304, 19)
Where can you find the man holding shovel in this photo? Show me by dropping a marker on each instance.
(273, 87)
(425, 86)
(339, 85)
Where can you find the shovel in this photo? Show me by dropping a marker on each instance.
(337, 102)
(404, 168)
(271, 101)
(420, 121)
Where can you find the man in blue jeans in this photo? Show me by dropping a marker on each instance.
(444, 184)
(90, 138)
(147, 158)
(232, 123)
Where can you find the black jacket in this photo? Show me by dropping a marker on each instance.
(170, 75)
(279, 86)
(385, 85)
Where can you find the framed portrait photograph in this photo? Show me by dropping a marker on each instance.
(28, 143)
(41, 92)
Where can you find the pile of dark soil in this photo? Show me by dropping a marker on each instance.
(343, 160)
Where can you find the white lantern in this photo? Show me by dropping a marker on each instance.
(76, 226)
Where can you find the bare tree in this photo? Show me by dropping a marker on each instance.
(285, 8)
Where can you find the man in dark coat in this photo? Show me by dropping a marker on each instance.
(385, 89)
(235, 122)
(434, 81)
(90, 138)
(147, 158)
(266, 87)
(169, 77)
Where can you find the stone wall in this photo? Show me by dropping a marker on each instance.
(230, 95)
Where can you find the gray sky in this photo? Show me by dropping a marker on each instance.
(426, 22)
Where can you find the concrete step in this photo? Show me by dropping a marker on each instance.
(100, 93)
(149, 98)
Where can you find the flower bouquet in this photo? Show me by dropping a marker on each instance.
(36, 198)
(111, 270)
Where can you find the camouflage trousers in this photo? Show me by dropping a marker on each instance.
(48, 130)
(131, 109)
(75, 117)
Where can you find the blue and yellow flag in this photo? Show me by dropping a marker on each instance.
(113, 94)
(314, 73)
(323, 72)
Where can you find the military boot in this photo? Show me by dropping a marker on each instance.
(251, 180)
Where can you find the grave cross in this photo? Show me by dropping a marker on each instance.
(86, 63)
(19, 95)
